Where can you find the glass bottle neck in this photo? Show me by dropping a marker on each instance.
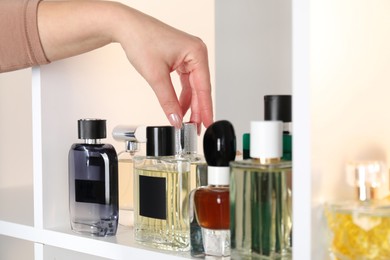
(366, 193)
(267, 160)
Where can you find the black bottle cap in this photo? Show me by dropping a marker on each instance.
(92, 128)
(219, 144)
(277, 107)
(160, 140)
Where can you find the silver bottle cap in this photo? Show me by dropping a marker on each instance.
(131, 135)
(367, 177)
(186, 139)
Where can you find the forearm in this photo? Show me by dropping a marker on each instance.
(70, 28)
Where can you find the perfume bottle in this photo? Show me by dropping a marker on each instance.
(360, 229)
(132, 136)
(246, 139)
(161, 190)
(278, 108)
(210, 204)
(260, 197)
(187, 147)
(93, 181)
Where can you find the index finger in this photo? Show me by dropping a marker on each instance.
(200, 81)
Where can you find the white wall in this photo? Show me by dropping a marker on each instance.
(253, 58)
(350, 79)
(15, 129)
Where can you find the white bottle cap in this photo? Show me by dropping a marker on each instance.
(218, 175)
(266, 139)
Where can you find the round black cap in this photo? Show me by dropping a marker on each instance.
(160, 140)
(219, 144)
(92, 128)
(277, 107)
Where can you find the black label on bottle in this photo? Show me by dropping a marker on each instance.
(152, 197)
(90, 191)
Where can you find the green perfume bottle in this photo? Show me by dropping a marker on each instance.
(260, 197)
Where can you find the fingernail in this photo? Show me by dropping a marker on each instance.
(175, 120)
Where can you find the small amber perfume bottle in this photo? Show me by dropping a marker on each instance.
(161, 190)
(210, 204)
(360, 229)
(132, 136)
(260, 197)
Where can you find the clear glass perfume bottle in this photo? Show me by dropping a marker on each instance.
(260, 197)
(210, 204)
(93, 181)
(132, 136)
(187, 147)
(360, 229)
(161, 190)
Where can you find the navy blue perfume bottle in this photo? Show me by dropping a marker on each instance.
(93, 181)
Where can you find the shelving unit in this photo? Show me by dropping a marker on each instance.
(34, 217)
(332, 56)
(62, 93)
(33, 223)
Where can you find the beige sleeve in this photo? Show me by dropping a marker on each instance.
(20, 45)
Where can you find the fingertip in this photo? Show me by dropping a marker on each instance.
(175, 120)
(207, 120)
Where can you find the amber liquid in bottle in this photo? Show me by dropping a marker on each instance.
(212, 207)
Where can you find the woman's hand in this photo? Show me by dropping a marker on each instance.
(155, 49)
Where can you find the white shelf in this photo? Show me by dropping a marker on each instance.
(121, 246)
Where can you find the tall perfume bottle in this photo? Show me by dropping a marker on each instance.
(187, 147)
(360, 229)
(93, 181)
(132, 136)
(278, 108)
(161, 190)
(260, 197)
(210, 204)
